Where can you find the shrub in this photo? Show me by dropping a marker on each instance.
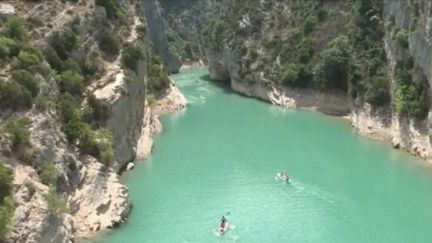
(14, 96)
(131, 54)
(67, 107)
(71, 82)
(28, 80)
(109, 42)
(157, 77)
(97, 110)
(56, 204)
(48, 173)
(104, 145)
(75, 130)
(71, 64)
(111, 7)
(64, 42)
(6, 213)
(6, 178)
(297, 75)
(331, 69)
(8, 47)
(18, 130)
(89, 64)
(309, 23)
(53, 59)
(402, 39)
(15, 29)
(305, 50)
(377, 92)
(27, 58)
(409, 98)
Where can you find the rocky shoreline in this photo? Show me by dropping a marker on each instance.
(402, 133)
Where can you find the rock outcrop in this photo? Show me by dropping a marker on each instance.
(157, 34)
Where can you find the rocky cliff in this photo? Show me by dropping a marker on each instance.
(157, 34)
(373, 57)
(86, 114)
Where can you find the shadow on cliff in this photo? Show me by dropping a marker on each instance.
(224, 85)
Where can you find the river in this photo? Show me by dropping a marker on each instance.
(220, 156)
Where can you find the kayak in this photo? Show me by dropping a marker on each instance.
(282, 177)
(223, 228)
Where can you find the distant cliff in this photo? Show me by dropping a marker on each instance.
(377, 53)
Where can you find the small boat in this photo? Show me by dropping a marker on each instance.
(202, 97)
(223, 228)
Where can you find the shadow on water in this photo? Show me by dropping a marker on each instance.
(224, 85)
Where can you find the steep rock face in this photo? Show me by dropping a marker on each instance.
(94, 197)
(184, 22)
(412, 135)
(157, 35)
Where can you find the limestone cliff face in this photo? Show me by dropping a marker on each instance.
(244, 57)
(412, 135)
(95, 198)
(157, 35)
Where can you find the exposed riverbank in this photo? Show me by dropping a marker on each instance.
(406, 134)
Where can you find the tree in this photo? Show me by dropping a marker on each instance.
(331, 70)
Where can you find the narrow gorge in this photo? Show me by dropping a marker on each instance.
(83, 84)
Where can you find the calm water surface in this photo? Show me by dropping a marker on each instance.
(221, 155)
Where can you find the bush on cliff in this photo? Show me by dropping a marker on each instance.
(6, 203)
(131, 54)
(6, 178)
(18, 131)
(7, 209)
(48, 173)
(56, 204)
(14, 96)
(15, 29)
(71, 82)
(331, 70)
(27, 79)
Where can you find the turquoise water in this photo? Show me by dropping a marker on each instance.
(221, 155)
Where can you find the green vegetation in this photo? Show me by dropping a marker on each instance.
(8, 47)
(410, 98)
(402, 39)
(299, 75)
(56, 203)
(71, 82)
(331, 70)
(96, 111)
(27, 79)
(18, 131)
(6, 204)
(112, 8)
(15, 29)
(6, 178)
(14, 96)
(157, 76)
(63, 42)
(48, 173)
(131, 55)
(109, 42)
